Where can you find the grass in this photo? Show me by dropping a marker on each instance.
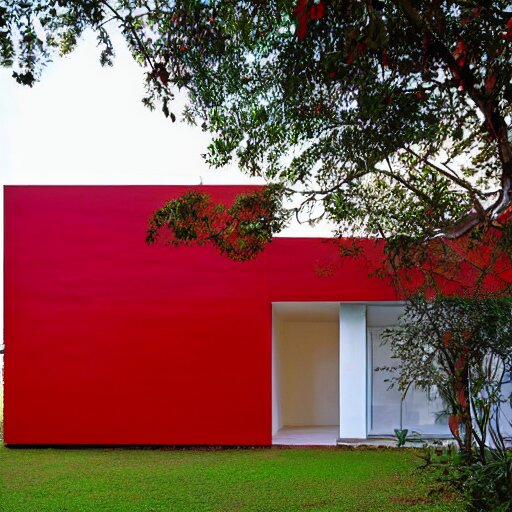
(268, 480)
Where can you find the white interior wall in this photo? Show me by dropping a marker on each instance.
(305, 373)
(276, 381)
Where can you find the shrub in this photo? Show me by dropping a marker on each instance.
(488, 487)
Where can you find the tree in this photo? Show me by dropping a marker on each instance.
(240, 231)
(393, 116)
(463, 348)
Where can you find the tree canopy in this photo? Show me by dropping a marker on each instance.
(393, 117)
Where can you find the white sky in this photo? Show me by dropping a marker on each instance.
(84, 124)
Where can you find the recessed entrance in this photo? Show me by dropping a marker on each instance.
(305, 371)
(325, 382)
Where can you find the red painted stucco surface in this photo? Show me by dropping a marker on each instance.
(112, 341)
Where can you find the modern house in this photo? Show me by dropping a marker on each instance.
(111, 341)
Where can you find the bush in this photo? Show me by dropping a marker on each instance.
(488, 487)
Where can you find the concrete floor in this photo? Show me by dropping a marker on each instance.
(328, 436)
(307, 436)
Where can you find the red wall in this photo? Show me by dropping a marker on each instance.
(112, 341)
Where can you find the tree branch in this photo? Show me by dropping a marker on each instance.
(128, 26)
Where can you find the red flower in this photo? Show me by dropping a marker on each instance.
(301, 14)
(302, 30)
(317, 11)
(460, 49)
(508, 33)
(420, 95)
(162, 73)
(385, 58)
(301, 7)
(460, 53)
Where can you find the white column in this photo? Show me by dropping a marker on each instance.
(353, 367)
(276, 384)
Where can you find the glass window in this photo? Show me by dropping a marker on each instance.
(421, 412)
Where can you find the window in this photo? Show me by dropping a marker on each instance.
(420, 412)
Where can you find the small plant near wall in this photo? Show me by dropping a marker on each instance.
(401, 433)
(463, 347)
(401, 436)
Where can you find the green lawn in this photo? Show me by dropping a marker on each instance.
(40, 480)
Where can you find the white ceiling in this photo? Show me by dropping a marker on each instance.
(377, 314)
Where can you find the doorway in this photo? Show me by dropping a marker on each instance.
(305, 373)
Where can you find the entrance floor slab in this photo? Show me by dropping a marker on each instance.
(307, 436)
